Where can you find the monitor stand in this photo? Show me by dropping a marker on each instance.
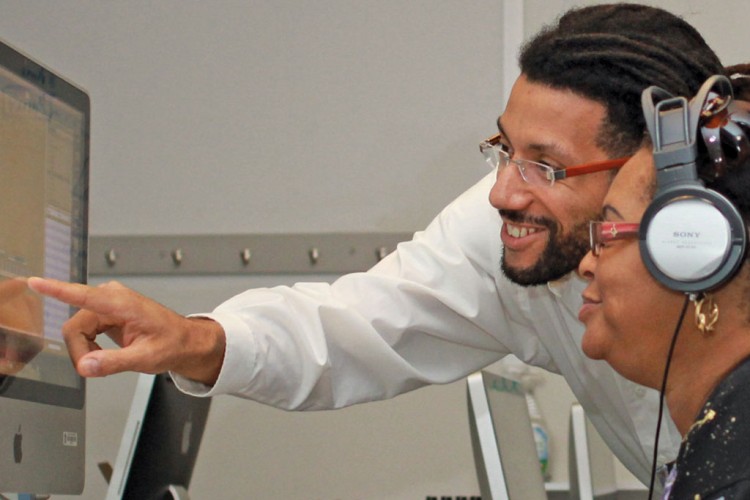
(178, 492)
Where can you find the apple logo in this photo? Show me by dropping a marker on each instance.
(187, 429)
(17, 450)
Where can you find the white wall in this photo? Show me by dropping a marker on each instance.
(278, 115)
(293, 116)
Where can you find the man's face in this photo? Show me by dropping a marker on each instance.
(545, 228)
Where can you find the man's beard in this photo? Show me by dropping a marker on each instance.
(562, 254)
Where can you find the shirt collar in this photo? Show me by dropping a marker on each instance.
(559, 286)
(568, 291)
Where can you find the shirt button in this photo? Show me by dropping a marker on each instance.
(639, 391)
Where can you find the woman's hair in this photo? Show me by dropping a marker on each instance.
(734, 182)
(726, 169)
(610, 53)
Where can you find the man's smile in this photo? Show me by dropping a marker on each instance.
(519, 231)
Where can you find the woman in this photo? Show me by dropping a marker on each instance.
(631, 320)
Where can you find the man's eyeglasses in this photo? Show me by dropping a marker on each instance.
(540, 174)
(601, 232)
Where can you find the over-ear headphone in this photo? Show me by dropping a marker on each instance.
(693, 239)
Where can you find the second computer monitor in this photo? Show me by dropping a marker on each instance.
(505, 452)
(160, 443)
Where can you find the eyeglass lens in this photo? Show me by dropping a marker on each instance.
(532, 172)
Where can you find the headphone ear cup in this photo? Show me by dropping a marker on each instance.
(692, 239)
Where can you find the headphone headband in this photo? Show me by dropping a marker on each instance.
(692, 238)
(673, 123)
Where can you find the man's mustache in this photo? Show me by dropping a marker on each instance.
(518, 217)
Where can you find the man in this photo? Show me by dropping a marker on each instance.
(440, 307)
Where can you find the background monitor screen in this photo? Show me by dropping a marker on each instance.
(44, 151)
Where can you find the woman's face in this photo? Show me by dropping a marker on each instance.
(629, 316)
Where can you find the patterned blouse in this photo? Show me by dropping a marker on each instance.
(714, 459)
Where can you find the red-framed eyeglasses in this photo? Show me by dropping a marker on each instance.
(602, 232)
(537, 173)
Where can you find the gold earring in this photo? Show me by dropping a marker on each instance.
(705, 321)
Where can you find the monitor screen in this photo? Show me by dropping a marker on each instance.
(44, 145)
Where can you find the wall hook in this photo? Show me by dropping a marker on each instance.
(111, 257)
(314, 255)
(177, 256)
(245, 255)
(381, 252)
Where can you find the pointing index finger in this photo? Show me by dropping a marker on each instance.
(75, 294)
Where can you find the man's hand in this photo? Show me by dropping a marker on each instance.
(153, 338)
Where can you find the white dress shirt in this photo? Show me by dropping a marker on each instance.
(434, 311)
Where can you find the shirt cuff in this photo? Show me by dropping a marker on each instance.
(239, 360)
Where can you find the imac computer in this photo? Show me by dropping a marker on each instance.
(160, 443)
(44, 152)
(591, 464)
(502, 439)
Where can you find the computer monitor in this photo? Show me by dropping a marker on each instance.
(502, 439)
(44, 152)
(591, 464)
(160, 443)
